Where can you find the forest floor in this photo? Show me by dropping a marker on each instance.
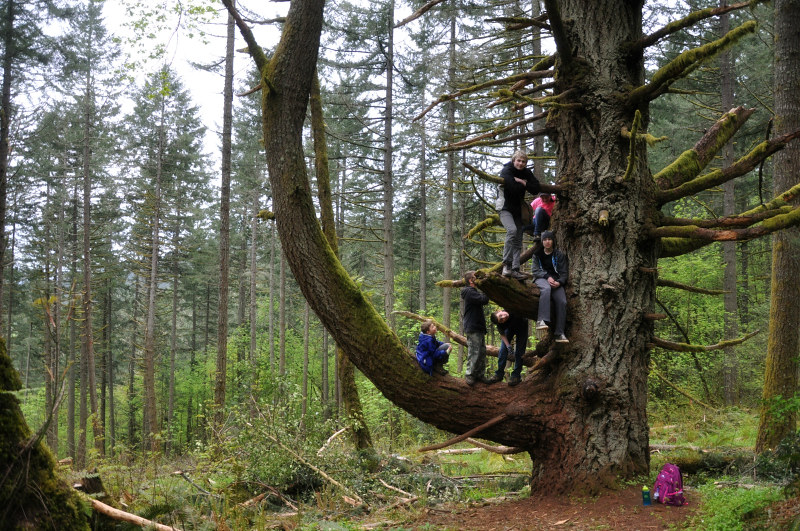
(612, 510)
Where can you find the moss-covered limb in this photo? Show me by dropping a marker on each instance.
(559, 33)
(740, 220)
(637, 122)
(663, 282)
(692, 161)
(496, 141)
(253, 48)
(671, 247)
(744, 165)
(265, 215)
(647, 137)
(482, 174)
(767, 226)
(491, 221)
(478, 261)
(686, 347)
(418, 13)
(541, 66)
(508, 80)
(778, 203)
(494, 132)
(32, 496)
(681, 391)
(685, 22)
(685, 63)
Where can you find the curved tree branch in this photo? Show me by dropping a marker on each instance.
(744, 165)
(559, 32)
(685, 22)
(686, 347)
(663, 282)
(418, 13)
(686, 63)
(692, 161)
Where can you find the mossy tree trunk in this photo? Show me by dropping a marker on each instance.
(780, 375)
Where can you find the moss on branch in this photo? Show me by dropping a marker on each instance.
(691, 162)
(686, 347)
(686, 63)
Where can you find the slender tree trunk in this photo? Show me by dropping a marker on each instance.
(423, 220)
(150, 412)
(780, 375)
(282, 319)
(132, 366)
(5, 130)
(271, 312)
(173, 335)
(224, 233)
(253, 361)
(306, 327)
(450, 110)
(388, 186)
(73, 327)
(112, 421)
(731, 317)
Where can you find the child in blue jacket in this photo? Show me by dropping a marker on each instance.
(432, 354)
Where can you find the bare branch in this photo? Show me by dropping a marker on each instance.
(502, 450)
(418, 13)
(494, 132)
(518, 23)
(681, 391)
(488, 424)
(740, 220)
(686, 347)
(686, 63)
(256, 52)
(663, 282)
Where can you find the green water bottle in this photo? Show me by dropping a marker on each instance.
(645, 496)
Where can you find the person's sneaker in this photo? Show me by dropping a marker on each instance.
(470, 380)
(495, 378)
(489, 381)
(514, 380)
(537, 237)
(562, 339)
(439, 369)
(541, 325)
(506, 271)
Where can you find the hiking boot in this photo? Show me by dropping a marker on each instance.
(439, 369)
(489, 381)
(495, 378)
(514, 380)
(517, 275)
(537, 237)
(506, 271)
(470, 379)
(562, 339)
(541, 325)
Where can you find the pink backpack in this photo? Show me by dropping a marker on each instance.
(668, 488)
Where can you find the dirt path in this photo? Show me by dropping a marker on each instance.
(614, 510)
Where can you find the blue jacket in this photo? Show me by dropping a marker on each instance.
(426, 348)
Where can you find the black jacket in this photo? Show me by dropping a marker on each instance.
(560, 263)
(474, 301)
(514, 192)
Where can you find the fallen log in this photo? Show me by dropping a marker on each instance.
(122, 516)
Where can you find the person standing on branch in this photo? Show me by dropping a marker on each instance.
(550, 271)
(474, 324)
(511, 328)
(517, 179)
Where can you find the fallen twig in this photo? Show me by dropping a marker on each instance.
(122, 516)
(330, 439)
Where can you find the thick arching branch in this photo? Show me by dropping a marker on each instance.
(685, 22)
(728, 222)
(686, 63)
(253, 48)
(692, 161)
(520, 23)
(686, 347)
(717, 177)
(768, 226)
(488, 424)
(559, 32)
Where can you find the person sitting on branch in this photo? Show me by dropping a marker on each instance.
(550, 271)
(432, 354)
(542, 211)
(511, 328)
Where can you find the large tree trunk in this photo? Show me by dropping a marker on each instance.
(584, 422)
(780, 376)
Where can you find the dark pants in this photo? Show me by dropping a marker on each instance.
(541, 221)
(519, 350)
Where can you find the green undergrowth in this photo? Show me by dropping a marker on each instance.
(724, 508)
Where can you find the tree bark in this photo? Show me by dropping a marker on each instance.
(388, 185)
(780, 374)
(224, 233)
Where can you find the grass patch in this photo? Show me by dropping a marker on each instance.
(724, 509)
